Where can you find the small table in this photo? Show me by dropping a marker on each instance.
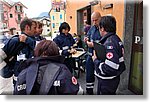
(78, 56)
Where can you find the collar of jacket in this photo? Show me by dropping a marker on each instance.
(103, 39)
(46, 60)
(96, 28)
(58, 58)
(63, 34)
(28, 35)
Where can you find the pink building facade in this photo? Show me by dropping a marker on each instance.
(12, 14)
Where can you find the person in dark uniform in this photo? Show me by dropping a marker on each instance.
(39, 30)
(46, 73)
(92, 35)
(19, 48)
(65, 42)
(108, 71)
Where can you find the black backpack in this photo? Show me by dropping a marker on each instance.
(29, 77)
(8, 70)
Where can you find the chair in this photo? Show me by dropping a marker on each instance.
(80, 61)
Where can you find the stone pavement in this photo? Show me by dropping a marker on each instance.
(6, 86)
(82, 82)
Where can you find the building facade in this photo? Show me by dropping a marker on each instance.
(46, 25)
(129, 17)
(12, 14)
(79, 10)
(57, 16)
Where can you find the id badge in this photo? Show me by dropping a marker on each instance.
(65, 48)
(21, 57)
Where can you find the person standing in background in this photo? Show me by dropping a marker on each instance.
(39, 30)
(65, 42)
(92, 35)
(86, 29)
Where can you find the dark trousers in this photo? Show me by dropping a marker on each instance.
(107, 86)
(90, 77)
(70, 63)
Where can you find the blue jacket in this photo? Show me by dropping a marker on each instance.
(39, 38)
(14, 48)
(114, 64)
(64, 42)
(46, 75)
(93, 35)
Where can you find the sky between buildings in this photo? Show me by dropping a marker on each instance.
(35, 7)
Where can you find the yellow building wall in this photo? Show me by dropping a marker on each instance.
(117, 11)
(71, 10)
(57, 21)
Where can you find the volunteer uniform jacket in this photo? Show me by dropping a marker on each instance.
(93, 35)
(12, 50)
(114, 64)
(39, 38)
(53, 79)
(64, 42)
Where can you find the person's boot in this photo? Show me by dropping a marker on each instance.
(89, 91)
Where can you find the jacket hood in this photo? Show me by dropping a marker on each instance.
(63, 34)
(42, 60)
(103, 39)
(57, 59)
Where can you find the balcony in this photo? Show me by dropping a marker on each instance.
(18, 11)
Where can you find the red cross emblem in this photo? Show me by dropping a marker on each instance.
(74, 80)
(109, 55)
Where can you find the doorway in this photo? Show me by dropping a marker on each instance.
(83, 14)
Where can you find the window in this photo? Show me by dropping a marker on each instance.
(19, 17)
(60, 16)
(20, 8)
(57, 9)
(53, 17)
(53, 25)
(11, 16)
(16, 8)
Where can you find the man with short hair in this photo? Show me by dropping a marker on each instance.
(39, 30)
(92, 35)
(18, 49)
